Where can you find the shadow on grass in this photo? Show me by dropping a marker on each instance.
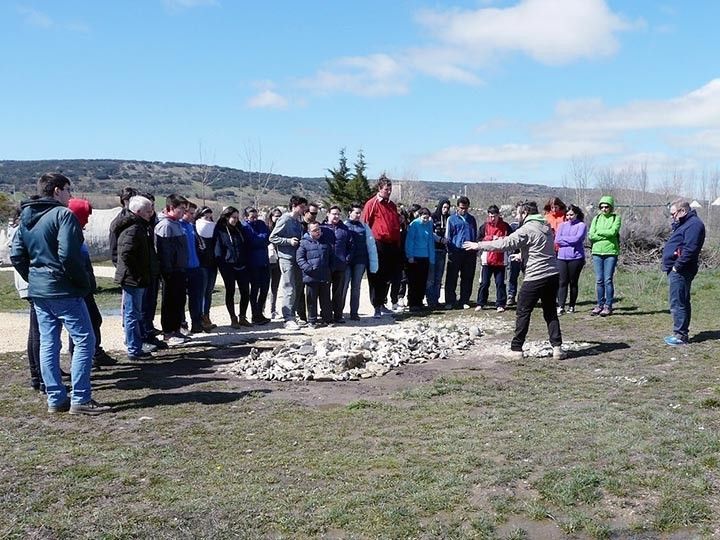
(706, 335)
(599, 348)
(179, 398)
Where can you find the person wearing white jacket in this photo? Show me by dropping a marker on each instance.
(364, 256)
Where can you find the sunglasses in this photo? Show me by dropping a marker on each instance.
(603, 206)
(313, 213)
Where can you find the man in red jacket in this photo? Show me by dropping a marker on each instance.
(381, 215)
(493, 262)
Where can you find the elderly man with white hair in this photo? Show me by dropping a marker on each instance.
(134, 262)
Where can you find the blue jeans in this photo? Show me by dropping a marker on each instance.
(353, 280)
(486, 273)
(514, 275)
(195, 288)
(132, 318)
(434, 280)
(209, 279)
(604, 271)
(52, 315)
(679, 296)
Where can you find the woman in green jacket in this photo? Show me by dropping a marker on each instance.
(605, 241)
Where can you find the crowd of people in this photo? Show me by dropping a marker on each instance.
(300, 270)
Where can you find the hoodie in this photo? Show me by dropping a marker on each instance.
(534, 239)
(604, 232)
(171, 244)
(440, 223)
(46, 251)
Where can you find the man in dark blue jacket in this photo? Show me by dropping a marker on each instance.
(314, 256)
(680, 262)
(461, 228)
(341, 239)
(46, 252)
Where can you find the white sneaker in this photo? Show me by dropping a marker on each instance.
(149, 347)
(500, 309)
(174, 341)
(466, 306)
(558, 353)
(478, 308)
(291, 325)
(560, 311)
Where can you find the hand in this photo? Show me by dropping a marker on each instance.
(411, 260)
(516, 257)
(470, 246)
(294, 242)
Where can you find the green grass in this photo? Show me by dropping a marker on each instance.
(620, 441)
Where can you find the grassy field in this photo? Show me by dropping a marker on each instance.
(619, 441)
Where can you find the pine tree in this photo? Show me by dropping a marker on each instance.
(338, 182)
(358, 188)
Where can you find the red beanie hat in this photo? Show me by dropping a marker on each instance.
(82, 210)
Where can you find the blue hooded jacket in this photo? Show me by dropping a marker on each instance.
(47, 251)
(257, 235)
(682, 249)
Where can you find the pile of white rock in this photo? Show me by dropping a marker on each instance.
(366, 353)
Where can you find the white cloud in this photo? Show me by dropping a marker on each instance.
(267, 99)
(33, 17)
(550, 31)
(372, 75)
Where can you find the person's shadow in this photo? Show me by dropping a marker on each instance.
(599, 348)
(705, 335)
(205, 397)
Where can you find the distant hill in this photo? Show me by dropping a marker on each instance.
(100, 180)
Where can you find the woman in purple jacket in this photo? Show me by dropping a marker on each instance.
(569, 242)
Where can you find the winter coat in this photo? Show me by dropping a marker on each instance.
(490, 231)
(534, 239)
(342, 241)
(113, 237)
(135, 252)
(287, 227)
(440, 224)
(419, 241)
(460, 229)
(171, 245)
(604, 232)
(314, 258)
(364, 249)
(192, 241)
(257, 235)
(382, 218)
(682, 250)
(46, 251)
(231, 248)
(570, 240)
(206, 243)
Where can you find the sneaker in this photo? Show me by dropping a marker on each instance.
(558, 353)
(260, 320)
(91, 408)
(139, 357)
(386, 311)
(675, 340)
(149, 347)
(448, 306)
(478, 308)
(500, 309)
(378, 313)
(291, 325)
(301, 322)
(606, 311)
(101, 358)
(571, 309)
(61, 407)
(510, 302)
(339, 321)
(354, 317)
(242, 321)
(514, 355)
(596, 311)
(154, 332)
(560, 311)
(173, 340)
(466, 306)
(158, 344)
(318, 324)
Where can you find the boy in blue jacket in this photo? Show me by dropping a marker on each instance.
(314, 256)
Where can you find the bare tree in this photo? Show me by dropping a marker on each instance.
(208, 174)
(261, 178)
(581, 172)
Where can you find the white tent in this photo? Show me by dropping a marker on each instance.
(695, 204)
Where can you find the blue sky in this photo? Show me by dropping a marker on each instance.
(457, 91)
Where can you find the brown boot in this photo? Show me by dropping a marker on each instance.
(207, 324)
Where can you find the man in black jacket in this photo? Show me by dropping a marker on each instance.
(133, 272)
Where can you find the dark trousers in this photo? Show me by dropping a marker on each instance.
(545, 290)
(259, 287)
(569, 278)
(195, 289)
(172, 310)
(33, 350)
(486, 274)
(95, 320)
(274, 285)
(389, 261)
(680, 308)
(209, 278)
(318, 291)
(462, 263)
(398, 286)
(417, 273)
(337, 293)
(149, 306)
(513, 276)
(231, 277)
